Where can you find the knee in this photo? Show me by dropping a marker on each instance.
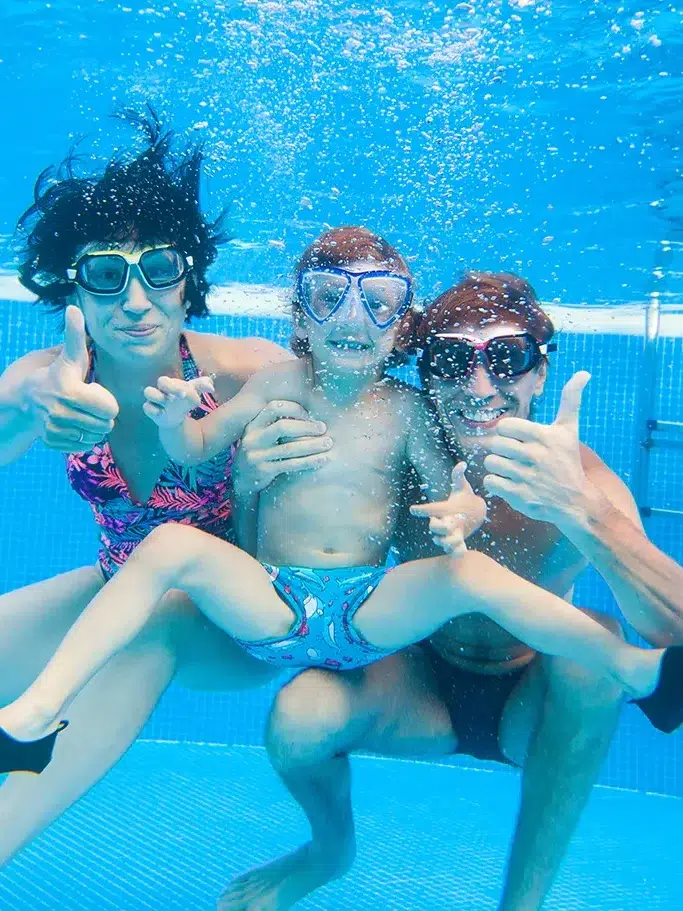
(170, 545)
(309, 718)
(577, 687)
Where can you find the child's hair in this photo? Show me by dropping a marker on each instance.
(340, 247)
(480, 299)
(151, 197)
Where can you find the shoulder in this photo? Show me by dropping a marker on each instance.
(409, 401)
(237, 357)
(232, 361)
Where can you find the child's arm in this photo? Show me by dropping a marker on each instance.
(190, 442)
(454, 511)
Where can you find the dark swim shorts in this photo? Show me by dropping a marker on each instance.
(475, 703)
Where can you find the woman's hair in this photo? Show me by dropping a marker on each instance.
(479, 299)
(340, 247)
(148, 198)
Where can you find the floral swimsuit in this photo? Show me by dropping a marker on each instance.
(197, 496)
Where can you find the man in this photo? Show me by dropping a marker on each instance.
(474, 689)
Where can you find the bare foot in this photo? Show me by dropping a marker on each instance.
(283, 882)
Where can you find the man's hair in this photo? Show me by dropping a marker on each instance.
(151, 197)
(480, 299)
(340, 247)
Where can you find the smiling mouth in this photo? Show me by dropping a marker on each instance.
(348, 344)
(480, 418)
(137, 330)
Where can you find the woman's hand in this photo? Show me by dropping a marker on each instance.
(73, 415)
(281, 439)
(452, 521)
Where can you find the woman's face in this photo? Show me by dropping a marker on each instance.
(470, 411)
(140, 322)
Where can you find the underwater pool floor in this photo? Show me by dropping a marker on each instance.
(173, 823)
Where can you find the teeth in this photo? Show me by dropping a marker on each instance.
(349, 345)
(482, 416)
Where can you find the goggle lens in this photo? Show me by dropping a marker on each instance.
(507, 357)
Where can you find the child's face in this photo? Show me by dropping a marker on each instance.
(350, 340)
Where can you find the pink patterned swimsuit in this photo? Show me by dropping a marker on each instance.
(198, 496)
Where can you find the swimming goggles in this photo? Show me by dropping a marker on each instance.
(385, 295)
(450, 356)
(108, 271)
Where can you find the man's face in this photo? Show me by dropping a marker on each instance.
(470, 411)
(349, 341)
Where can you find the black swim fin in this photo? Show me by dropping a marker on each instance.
(664, 707)
(27, 755)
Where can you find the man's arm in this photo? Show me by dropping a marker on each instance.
(605, 526)
(544, 472)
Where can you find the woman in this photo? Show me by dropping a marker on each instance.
(130, 248)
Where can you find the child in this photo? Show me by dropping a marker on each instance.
(319, 592)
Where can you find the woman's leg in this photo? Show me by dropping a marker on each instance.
(225, 583)
(108, 713)
(417, 598)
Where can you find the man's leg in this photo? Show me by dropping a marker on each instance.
(391, 708)
(558, 725)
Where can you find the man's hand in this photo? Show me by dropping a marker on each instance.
(73, 415)
(536, 468)
(281, 439)
(452, 521)
(171, 400)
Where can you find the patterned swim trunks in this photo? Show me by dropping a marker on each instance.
(324, 602)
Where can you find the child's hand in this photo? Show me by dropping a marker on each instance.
(171, 400)
(452, 521)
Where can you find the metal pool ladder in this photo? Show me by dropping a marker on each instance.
(649, 427)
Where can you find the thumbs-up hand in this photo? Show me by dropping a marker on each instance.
(171, 400)
(452, 521)
(74, 415)
(536, 468)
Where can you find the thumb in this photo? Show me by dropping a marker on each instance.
(458, 482)
(75, 349)
(570, 403)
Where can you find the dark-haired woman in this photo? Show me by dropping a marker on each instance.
(130, 248)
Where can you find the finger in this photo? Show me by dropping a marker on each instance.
(75, 422)
(203, 385)
(294, 449)
(71, 440)
(511, 449)
(500, 487)
(284, 429)
(520, 429)
(458, 477)
(93, 399)
(75, 350)
(570, 403)
(432, 510)
(169, 385)
(292, 466)
(152, 394)
(152, 410)
(273, 411)
(506, 468)
(444, 526)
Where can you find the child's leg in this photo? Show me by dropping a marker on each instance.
(228, 585)
(417, 598)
